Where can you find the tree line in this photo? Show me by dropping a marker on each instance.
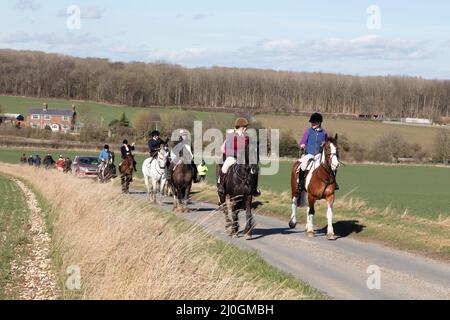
(39, 74)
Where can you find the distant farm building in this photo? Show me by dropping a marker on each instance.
(417, 121)
(58, 120)
(12, 119)
(371, 116)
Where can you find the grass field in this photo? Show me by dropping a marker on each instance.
(363, 132)
(13, 219)
(97, 110)
(422, 191)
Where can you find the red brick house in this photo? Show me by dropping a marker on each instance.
(59, 120)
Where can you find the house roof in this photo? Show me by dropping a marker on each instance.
(52, 112)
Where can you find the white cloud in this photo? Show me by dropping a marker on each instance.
(368, 47)
(92, 13)
(24, 5)
(201, 16)
(50, 39)
(169, 55)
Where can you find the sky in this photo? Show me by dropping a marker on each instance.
(376, 37)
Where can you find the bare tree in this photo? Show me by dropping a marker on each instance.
(442, 146)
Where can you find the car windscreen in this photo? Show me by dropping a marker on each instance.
(88, 161)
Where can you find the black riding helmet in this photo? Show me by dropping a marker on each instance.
(316, 118)
(125, 141)
(155, 134)
(106, 147)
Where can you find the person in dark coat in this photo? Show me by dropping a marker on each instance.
(30, 161)
(155, 142)
(23, 159)
(37, 161)
(48, 161)
(126, 150)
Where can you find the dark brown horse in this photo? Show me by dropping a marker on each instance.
(126, 173)
(319, 184)
(181, 184)
(240, 183)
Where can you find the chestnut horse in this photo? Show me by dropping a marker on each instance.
(126, 173)
(319, 184)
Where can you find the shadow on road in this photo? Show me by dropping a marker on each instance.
(343, 229)
(261, 233)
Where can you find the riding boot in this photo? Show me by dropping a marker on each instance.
(221, 184)
(134, 166)
(301, 181)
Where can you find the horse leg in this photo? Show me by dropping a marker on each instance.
(228, 210)
(235, 223)
(147, 185)
(249, 217)
(310, 215)
(123, 182)
(293, 221)
(330, 230)
(154, 182)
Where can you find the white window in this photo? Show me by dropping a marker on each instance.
(36, 116)
(47, 117)
(34, 125)
(65, 118)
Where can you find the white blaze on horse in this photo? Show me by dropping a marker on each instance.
(156, 170)
(319, 184)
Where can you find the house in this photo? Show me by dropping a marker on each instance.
(12, 119)
(58, 120)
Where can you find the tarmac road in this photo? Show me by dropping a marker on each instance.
(337, 268)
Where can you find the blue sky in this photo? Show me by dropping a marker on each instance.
(314, 36)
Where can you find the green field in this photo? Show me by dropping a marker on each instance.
(97, 111)
(362, 132)
(13, 218)
(423, 191)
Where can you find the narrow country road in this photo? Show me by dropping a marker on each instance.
(338, 268)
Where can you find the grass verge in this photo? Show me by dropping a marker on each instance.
(126, 250)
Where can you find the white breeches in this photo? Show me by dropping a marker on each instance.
(227, 164)
(305, 160)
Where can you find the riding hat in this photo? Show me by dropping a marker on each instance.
(241, 122)
(316, 118)
(125, 141)
(155, 134)
(106, 147)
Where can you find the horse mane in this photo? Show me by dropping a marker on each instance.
(332, 140)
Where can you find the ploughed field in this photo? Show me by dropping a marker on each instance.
(423, 191)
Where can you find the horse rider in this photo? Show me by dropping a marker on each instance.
(183, 153)
(236, 146)
(202, 170)
(105, 158)
(125, 150)
(155, 143)
(311, 145)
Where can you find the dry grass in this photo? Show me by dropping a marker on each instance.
(127, 251)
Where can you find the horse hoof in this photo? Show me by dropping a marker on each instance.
(310, 234)
(292, 225)
(331, 237)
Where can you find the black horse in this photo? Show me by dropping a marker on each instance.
(239, 186)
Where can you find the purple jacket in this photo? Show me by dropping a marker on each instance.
(313, 140)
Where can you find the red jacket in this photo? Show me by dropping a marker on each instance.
(236, 144)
